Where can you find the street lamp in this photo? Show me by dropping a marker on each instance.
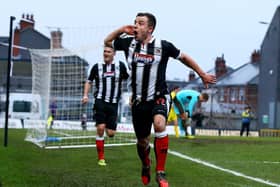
(263, 22)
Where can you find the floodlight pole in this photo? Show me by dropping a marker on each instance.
(12, 18)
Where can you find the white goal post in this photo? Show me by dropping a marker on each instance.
(58, 77)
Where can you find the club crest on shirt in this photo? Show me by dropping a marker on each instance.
(158, 51)
(109, 74)
(143, 58)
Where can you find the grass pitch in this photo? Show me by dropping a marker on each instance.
(24, 164)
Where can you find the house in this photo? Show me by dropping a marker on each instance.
(239, 88)
(26, 36)
(269, 79)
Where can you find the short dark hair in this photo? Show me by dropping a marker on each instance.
(109, 47)
(205, 96)
(175, 88)
(151, 19)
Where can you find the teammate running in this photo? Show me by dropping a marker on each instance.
(108, 77)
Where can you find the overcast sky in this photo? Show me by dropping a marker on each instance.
(204, 29)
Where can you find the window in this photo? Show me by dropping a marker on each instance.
(233, 94)
(221, 94)
(241, 94)
(2, 106)
(22, 106)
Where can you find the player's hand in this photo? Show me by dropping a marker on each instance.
(208, 79)
(128, 29)
(84, 100)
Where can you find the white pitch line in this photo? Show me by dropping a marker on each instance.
(255, 162)
(223, 169)
(270, 162)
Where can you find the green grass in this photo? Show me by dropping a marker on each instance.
(24, 164)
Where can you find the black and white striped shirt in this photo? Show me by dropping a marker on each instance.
(108, 80)
(148, 65)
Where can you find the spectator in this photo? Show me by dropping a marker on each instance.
(246, 120)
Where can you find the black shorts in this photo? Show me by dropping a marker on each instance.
(143, 113)
(106, 113)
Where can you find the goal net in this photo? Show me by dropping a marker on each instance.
(58, 77)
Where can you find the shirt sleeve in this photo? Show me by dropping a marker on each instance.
(122, 44)
(93, 73)
(171, 50)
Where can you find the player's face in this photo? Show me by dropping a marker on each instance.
(142, 29)
(108, 54)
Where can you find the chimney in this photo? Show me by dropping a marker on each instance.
(255, 56)
(220, 66)
(27, 21)
(56, 39)
(191, 75)
(16, 41)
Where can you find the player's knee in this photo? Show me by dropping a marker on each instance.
(110, 133)
(159, 123)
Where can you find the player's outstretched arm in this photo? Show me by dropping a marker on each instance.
(206, 78)
(127, 29)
